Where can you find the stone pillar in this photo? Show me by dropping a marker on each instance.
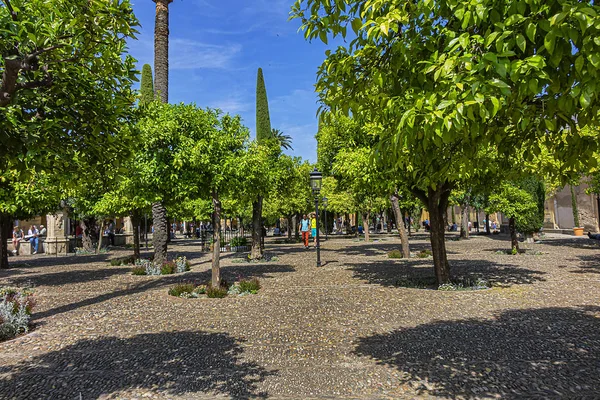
(55, 241)
(129, 229)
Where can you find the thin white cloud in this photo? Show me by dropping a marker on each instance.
(232, 105)
(188, 54)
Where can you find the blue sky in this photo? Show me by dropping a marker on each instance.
(216, 47)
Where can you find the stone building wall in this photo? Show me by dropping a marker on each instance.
(559, 209)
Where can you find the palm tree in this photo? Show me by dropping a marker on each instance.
(160, 236)
(161, 49)
(285, 141)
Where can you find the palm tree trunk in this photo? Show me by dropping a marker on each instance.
(161, 50)
(159, 238)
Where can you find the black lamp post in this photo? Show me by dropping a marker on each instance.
(315, 183)
(325, 211)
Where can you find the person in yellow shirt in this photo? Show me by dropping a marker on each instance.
(313, 227)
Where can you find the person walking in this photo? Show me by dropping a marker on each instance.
(17, 236)
(304, 228)
(313, 228)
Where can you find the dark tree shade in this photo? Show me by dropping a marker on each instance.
(147, 86)
(263, 122)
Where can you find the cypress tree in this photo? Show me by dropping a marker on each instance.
(263, 132)
(147, 86)
(263, 122)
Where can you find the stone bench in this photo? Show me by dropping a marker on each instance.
(25, 247)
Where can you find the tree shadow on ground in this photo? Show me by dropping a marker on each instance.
(228, 273)
(69, 277)
(590, 264)
(533, 353)
(170, 363)
(381, 249)
(19, 265)
(398, 273)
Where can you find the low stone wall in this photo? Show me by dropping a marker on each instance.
(26, 247)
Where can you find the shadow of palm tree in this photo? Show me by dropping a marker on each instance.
(534, 353)
(170, 363)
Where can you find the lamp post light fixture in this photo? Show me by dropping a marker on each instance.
(325, 212)
(316, 178)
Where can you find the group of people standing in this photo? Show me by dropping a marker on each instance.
(33, 236)
(308, 227)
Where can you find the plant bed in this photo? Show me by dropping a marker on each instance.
(192, 290)
(456, 284)
(148, 267)
(247, 259)
(528, 252)
(16, 305)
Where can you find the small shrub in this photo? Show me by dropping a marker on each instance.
(216, 292)
(16, 306)
(424, 254)
(251, 285)
(168, 268)
(395, 254)
(138, 271)
(514, 251)
(238, 241)
(182, 265)
(123, 261)
(200, 289)
(181, 288)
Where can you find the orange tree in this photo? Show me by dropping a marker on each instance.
(446, 79)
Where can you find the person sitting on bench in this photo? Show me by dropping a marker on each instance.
(594, 235)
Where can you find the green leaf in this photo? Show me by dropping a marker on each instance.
(594, 58)
(496, 104)
(585, 99)
(323, 36)
(530, 31)
(520, 39)
(550, 41)
(356, 25)
(579, 63)
(533, 86)
(444, 103)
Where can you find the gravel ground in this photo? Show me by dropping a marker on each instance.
(344, 330)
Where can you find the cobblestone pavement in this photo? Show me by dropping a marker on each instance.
(344, 330)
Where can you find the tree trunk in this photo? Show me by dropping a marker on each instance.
(161, 50)
(296, 231)
(477, 219)
(136, 220)
(87, 225)
(289, 227)
(161, 232)
(257, 251)
(400, 224)
(437, 201)
(487, 224)
(464, 222)
(216, 267)
(4, 236)
(347, 222)
(100, 236)
(366, 217)
(514, 242)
